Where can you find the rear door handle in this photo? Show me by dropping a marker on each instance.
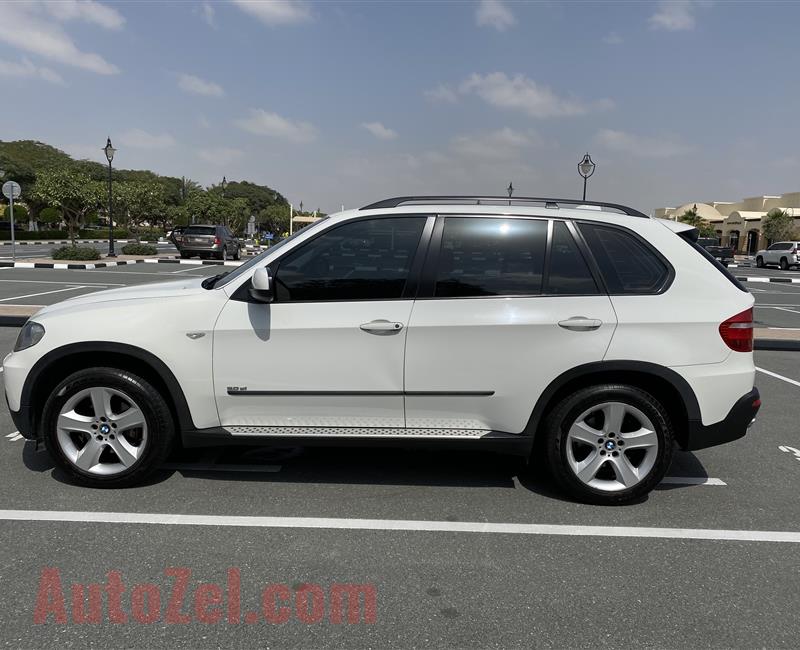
(580, 324)
(381, 326)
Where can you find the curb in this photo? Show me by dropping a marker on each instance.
(778, 345)
(762, 279)
(101, 265)
(36, 242)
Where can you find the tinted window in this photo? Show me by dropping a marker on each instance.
(627, 264)
(569, 274)
(200, 230)
(491, 257)
(362, 260)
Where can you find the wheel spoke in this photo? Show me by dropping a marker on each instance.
(130, 419)
(126, 452)
(89, 455)
(614, 414)
(582, 432)
(71, 421)
(640, 439)
(101, 402)
(626, 473)
(587, 469)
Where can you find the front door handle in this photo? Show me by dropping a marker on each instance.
(580, 324)
(381, 326)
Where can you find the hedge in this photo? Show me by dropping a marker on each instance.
(76, 253)
(139, 249)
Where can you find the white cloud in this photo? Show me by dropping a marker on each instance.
(379, 130)
(273, 125)
(206, 10)
(203, 122)
(502, 144)
(46, 39)
(677, 15)
(220, 155)
(86, 10)
(442, 94)
(612, 38)
(198, 86)
(522, 94)
(494, 13)
(276, 12)
(26, 69)
(641, 145)
(141, 139)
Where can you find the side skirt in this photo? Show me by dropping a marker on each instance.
(510, 443)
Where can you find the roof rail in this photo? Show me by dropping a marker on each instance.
(499, 200)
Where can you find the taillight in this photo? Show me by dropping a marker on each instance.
(737, 331)
(217, 241)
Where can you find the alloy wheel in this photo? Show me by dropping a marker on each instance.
(612, 446)
(101, 431)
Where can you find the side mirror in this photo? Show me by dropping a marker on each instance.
(261, 285)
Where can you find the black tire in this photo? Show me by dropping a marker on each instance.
(158, 417)
(238, 254)
(784, 264)
(564, 414)
(760, 262)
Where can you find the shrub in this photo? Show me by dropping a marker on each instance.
(139, 249)
(76, 253)
(50, 215)
(101, 233)
(38, 234)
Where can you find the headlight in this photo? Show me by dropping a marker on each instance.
(30, 334)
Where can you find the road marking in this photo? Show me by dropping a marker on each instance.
(777, 376)
(400, 525)
(212, 467)
(692, 480)
(184, 270)
(793, 311)
(44, 293)
(12, 434)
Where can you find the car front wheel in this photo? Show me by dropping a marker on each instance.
(106, 427)
(609, 444)
(760, 262)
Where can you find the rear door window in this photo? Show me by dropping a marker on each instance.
(627, 264)
(569, 274)
(485, 256)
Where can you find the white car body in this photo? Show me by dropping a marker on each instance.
(786, 251)
(457, 368)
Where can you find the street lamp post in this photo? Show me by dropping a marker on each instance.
(223, 185)
(510, 190)
(586, 169)
(109, 151)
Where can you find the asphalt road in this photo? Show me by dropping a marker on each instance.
(433, 589)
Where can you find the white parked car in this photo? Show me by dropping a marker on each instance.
(592, 337)
(782, 253)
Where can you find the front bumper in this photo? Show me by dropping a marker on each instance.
(733, 427)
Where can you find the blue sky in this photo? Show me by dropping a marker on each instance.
(344, 103)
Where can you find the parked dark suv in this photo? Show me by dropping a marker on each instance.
(209, 241)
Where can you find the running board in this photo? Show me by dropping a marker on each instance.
(513, 443)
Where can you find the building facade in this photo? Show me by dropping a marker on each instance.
(738, 224)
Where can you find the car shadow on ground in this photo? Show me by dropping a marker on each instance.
(363, 466)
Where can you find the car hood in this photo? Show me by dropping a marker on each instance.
(177, 288)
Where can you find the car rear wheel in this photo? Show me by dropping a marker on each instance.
(106, 427)
(609, 444)
(760, 262)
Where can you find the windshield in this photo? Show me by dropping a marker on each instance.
(225, 279)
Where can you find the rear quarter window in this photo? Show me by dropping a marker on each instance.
(627, 264)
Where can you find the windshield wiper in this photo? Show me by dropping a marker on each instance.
(209, 283)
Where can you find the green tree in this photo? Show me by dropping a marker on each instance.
(693, 219)
(778, 225)
(274, 219)
(50, 216)
(72, 192)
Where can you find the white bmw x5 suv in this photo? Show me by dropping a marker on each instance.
(588, 336)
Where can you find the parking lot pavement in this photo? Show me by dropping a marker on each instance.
(48, 286)
(572, 587)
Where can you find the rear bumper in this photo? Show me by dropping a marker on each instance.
(733, 427)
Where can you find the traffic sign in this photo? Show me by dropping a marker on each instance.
(270, 236)
(11, 190)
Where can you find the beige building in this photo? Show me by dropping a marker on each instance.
(738, 224)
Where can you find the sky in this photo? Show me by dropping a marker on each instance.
(345, 103)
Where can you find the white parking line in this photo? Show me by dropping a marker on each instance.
(691, 480)
(777, 376)
(44, 293)
(72, 284)
(191, 268)
(400, 525)
(793, 311)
